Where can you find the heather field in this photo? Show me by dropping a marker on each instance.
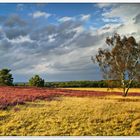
(65, 112)
(10, 96)
(69, 68)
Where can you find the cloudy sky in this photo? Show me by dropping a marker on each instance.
(57, 41)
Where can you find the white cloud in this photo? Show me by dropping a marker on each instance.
(108, 29)
(85, 17)
(51, 38)
(126, 12)
(81, 17)
(105, 5)
(64, 19)
(79, 29)
(111, 20)
(21, 39)
(39, 14)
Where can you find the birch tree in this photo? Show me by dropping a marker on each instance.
(120, 61)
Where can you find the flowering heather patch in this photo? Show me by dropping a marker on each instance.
(10, 96)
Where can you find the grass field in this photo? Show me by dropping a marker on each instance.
(106, 89)
(76, 115)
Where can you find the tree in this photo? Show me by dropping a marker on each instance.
(121, 61)
(36, 81)
(6, 78)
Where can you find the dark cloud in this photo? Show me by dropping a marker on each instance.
(1, 35)
(70, 24)
(106, 28)
(52, 46)
(4, 45)
(86, 40)
(60, 34)
(137, 19)
(15, 21)
(2, 18)
(12, 33)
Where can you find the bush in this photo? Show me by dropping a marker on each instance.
(36, 81)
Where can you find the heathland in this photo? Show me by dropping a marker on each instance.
(68, 112)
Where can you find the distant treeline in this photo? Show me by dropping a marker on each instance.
(67, 84)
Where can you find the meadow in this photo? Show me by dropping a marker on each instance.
(131, 90)
(67, 112)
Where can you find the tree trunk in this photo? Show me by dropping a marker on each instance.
(123, 83)
(129, 84)
(125, 93)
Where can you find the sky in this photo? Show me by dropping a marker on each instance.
(57, 40)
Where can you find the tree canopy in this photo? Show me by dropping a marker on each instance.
(120, 61)
(36, 81)
(6, 78)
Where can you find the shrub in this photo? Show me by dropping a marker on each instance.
(36, 81)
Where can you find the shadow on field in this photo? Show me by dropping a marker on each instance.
(54, 98)
(120, 99)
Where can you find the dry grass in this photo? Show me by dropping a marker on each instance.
(137, 90)
(74, 116)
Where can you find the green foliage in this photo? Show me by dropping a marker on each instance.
(6, 78)
(77, 84)
(121, 61)
(20, 84)
(98, 84)
(72, 84)
(36, 81)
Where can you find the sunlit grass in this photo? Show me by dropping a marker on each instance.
(74, 116)
(107, 89)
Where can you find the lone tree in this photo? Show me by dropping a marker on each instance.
(6, 78)
(36, 81)
(121, 61)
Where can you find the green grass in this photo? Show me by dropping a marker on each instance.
(94, 116)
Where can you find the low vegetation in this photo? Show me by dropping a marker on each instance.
(73, 116)
(11, 96)
(109, 90)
